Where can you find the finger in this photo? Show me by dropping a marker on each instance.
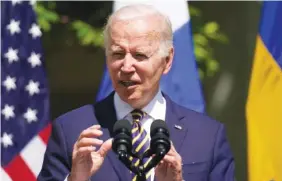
(106, 146)
(171, 152)
(90, 132)
(161, 167)
(173, 160)
(89, 142)
(96, 126)
(172, 146)
(85, 150)
(161, 163)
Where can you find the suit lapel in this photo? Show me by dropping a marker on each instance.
(106, 116)
(174, 119)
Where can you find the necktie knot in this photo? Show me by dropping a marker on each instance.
(137, 115)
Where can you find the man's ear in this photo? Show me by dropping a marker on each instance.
(168, 61)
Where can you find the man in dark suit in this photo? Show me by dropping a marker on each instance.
(139, 49)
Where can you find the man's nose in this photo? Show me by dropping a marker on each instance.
(127, 66)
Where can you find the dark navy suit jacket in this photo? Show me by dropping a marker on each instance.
(201, 142)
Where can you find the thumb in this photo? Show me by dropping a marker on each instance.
(105, 147)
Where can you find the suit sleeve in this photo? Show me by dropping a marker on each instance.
(223, 161)
(55, 165)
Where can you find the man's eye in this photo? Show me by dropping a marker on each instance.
(140, 56)
(118, 54)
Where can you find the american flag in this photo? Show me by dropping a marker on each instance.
(25, 123)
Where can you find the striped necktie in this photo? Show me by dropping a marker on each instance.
(140, 141)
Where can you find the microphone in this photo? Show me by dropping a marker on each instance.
(160, 143)
(122, 143)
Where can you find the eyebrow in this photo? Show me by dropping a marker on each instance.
(115, 48)
(142, 49)
(118, 48)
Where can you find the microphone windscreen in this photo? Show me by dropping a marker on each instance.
(122, 124)
(158, 123)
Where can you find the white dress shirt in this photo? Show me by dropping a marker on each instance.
(156, 109)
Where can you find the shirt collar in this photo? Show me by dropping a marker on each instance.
(156, 107)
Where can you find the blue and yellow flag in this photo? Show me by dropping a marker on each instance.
(264, 105)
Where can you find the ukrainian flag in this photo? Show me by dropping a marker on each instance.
(264, 105)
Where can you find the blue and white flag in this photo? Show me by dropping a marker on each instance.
(182, 83)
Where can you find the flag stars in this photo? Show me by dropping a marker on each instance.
(8, 111)
(32, 88)
(6, 140)
(10, 83)
(30, 115)
(34, 59)
(14, 26)
(35, 31)
(12, 55)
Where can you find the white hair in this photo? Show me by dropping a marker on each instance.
(136, 11)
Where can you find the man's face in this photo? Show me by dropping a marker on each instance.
(133, 61)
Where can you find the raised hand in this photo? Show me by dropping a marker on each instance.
(170, 168)
(86, 159)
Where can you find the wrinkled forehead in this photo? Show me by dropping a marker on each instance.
(136, 32)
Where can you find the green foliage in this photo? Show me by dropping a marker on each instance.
(204, 33)
(87, 34)
(45, 17)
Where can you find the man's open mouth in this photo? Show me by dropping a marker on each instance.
(127, 83)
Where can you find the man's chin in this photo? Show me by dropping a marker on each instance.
(133, 98)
